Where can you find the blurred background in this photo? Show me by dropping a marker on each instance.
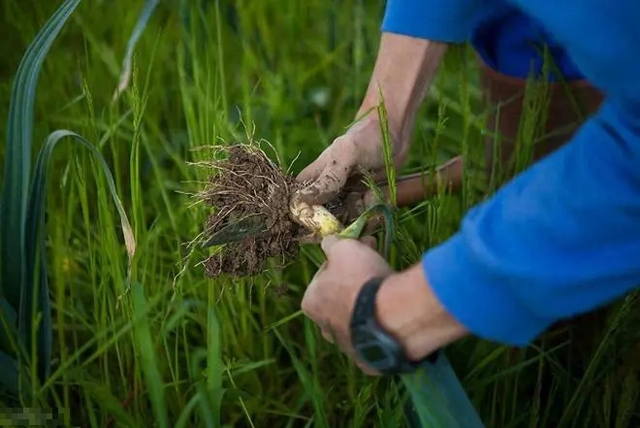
(156, 343)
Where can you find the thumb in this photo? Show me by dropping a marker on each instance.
(328, 184)
(312, 171)
(328, 243)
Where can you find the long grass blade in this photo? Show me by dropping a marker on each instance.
(125, 75)
(214, 364)
(15, 183)
(438, 397)
(17, 262)
(148, 359)
(35, 240)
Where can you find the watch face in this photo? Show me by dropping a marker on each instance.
(372, 344)
(375, 349)
(373, 353)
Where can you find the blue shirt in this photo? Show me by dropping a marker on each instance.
(563, 237)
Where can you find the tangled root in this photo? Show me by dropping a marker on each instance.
(247, 183)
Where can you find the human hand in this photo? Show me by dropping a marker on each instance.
(351, 156)
(360, 150)
(406, 306)
(330, 297)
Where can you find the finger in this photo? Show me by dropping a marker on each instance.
(309, 303)
(328, 243)
(365, 368)
(370, 241)
(331, 335)
(369, 198)
(354, 205)
(321, 269)
(328, 184)
(312, 171)
(344, 343)
(326, 335)
(373, 225)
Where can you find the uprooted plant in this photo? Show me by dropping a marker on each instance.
(254, 216)
(246, 184)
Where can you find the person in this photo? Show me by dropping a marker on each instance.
(559, 239)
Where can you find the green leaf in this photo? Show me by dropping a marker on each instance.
(8, 324)
(438, 398)
(17, 262)
(147, 358)
(9, 374)
(15, 183)
(35, 235)
(8, 312)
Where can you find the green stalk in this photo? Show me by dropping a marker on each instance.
(354, 230)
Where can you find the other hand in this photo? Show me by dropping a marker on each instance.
(406, 306)
(330, 297)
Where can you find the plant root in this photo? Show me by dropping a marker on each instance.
(247, 182)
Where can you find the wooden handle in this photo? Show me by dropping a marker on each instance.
(415, 188)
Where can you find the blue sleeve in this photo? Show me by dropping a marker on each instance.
(600, 36)
(561, 239)
(449, 21)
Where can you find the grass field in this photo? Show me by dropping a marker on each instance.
(153, 342)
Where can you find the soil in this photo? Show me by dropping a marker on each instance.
(246, 183)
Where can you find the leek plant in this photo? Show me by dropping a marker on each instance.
(25, 310)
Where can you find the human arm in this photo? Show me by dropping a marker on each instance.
(564, 236)
(360, 149)
(415, 36)
(401, 88)
(561, 239)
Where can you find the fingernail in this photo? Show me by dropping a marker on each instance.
(329, 242)
(310, 191)
(306, 196)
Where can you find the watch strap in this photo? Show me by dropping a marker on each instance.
(370, 340)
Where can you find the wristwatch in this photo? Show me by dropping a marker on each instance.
(374, 346)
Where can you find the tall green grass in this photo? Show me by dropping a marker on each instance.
(26, 310)
(150, 340)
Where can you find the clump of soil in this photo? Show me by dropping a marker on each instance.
(248, 183)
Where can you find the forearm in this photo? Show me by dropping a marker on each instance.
(415, 36)
(409, 310)
(404, 70)
(561, 239)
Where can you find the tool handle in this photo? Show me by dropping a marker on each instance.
(415, 188)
